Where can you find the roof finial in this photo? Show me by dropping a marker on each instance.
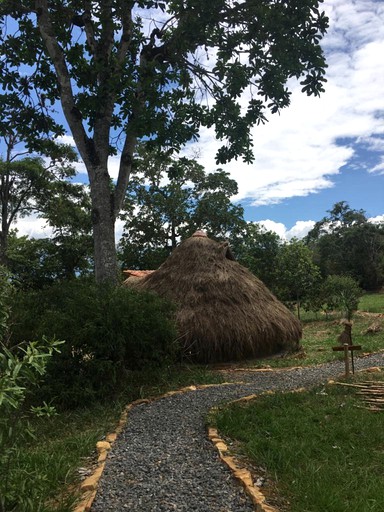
(200, 233)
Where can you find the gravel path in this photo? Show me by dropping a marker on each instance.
(163, 462)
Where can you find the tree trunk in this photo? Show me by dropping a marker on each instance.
(103, 220)
(3, 248)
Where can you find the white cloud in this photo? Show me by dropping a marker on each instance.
(299, 230)
(376, 220)
(276, 227)
(299, 152)
(33, 227)
(379, 168)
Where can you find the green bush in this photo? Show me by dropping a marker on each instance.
(108, 331)
(5, 292)
(21, 370)
(341, 293)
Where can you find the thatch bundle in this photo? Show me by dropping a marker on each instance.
(224, 312)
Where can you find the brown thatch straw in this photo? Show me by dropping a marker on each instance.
(224, 312)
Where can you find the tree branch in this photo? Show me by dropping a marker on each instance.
(71, 112)
(125, 170)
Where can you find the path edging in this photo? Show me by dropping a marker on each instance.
(89, 486)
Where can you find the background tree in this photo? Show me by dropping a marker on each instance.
(28, 184)
(346, 243)
(167, 200)
(257, 249)
(340, 293)
(297, 275)
(67, 253)
(120, 78)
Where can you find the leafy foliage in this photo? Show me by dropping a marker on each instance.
(194, 64)
(5, 291)
(298, 276)
(108, 332)
(29, 185)
(168, 199)
(257, 249)
(341, 293)
(21, 369)
(41, 262)
(345, 243)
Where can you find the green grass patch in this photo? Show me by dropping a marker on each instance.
(47, 465)
(372, 302)
(323, 451)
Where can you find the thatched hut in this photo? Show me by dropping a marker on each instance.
(224, 312)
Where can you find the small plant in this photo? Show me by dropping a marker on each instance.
(341, 293)
(21, 369)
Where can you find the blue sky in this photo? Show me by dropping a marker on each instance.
(322, 150)
(318, 151)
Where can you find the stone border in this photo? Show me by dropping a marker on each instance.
(240, 473)
(89, 486)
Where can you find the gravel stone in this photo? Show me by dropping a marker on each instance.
(163, 461)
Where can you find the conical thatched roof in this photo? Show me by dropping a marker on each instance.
(224, 312)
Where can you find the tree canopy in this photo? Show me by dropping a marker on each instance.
(346, 243)
(33, 185)
(127, 70)
(167, 200)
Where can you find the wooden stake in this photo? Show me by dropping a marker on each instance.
(346, 359)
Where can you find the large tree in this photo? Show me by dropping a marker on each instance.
(124, 70)
(346, 243)
(31, 184)
(167, 200)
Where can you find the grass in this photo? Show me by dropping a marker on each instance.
(66, 442)
(372, 302)
(45, 466)
(322, 451)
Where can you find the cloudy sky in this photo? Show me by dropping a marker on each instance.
(321, 150)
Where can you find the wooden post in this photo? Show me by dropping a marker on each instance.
(346, 359)
(346, 347)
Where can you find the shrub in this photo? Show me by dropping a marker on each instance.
(108, 331)
(341, 293)
(21, 369)
(5, 291)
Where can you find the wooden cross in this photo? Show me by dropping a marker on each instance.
(345, 348)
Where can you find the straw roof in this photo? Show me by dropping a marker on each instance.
(223, 312)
